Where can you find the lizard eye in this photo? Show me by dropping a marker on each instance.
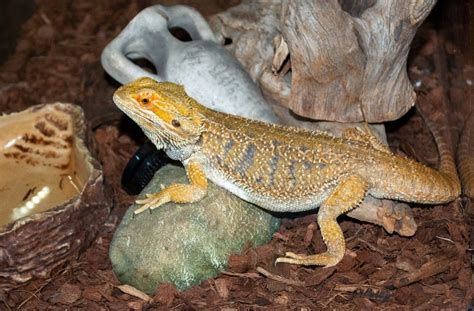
(175, 123)
(145, 101)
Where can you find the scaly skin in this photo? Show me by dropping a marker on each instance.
(279, 168)
(466, 156)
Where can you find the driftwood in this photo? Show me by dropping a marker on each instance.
(248, 30)
(332, 62)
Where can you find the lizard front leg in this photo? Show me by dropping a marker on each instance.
(347, 195)
(178, 193)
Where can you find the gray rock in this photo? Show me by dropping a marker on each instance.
(185, 244)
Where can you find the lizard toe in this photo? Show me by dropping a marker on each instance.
(142, 208)
(295, 256)
(324, 259)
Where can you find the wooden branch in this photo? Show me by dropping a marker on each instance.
(326, 61)
(348, 63)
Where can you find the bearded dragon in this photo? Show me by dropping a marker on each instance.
(279, 168)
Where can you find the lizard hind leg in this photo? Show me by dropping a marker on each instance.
(347, 195)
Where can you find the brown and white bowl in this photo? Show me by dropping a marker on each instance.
(52, 198)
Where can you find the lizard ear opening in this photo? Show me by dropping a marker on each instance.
(175, 123)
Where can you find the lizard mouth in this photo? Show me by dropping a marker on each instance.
(118, 98)
(129, 108)
(142, 118)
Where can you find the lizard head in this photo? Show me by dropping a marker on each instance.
(162, 109)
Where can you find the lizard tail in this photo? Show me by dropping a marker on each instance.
(465, 156)
(447, 164)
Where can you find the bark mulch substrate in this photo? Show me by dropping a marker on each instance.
(56, 58)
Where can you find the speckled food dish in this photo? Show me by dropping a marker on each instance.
(52, 197)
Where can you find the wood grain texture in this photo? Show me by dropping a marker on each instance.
(346, 60)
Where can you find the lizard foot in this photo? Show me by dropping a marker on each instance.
(178, 193)
(324, 259)
(152, 201)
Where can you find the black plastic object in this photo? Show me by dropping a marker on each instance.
(142, 166)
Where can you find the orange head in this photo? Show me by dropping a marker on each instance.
(163, 110)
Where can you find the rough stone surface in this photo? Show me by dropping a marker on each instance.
(185, 244)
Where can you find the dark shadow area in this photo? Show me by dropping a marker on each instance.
(180, 34)
(13, 13)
